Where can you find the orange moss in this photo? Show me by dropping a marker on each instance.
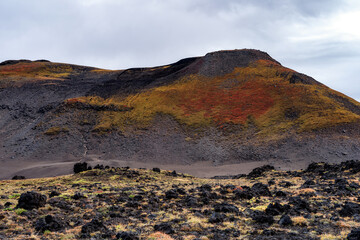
(74, 100)
(34, 71)
(21, 68)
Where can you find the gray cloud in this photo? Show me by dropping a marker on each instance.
(314, 37)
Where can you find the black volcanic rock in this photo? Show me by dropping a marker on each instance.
(78, 196)
(50, 223)
(349, 209)
(280, 194)
(260, 189)
(60, 203)
(244, 194)
(126, 236)
(261, 217)
(172, 193)
(93, 226)
(299, 204)
(285, 221)
(31, 200)
(54, 194)
(216, 217)
(80, 167)
(308, 184)
(16, 177)
(191, 201)
(164, 227)
(259, 171)
(226, 208)
(275, 209)
(354, 234)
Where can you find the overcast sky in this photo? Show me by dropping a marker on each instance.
(320, 38)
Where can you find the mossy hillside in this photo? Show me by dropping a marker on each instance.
(262, 92)
(35, 70)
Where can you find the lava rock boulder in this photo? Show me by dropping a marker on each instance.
(50, 223)
(126, 236)
(31, 200)
(80, 167)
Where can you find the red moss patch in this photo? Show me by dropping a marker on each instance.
(228, 105)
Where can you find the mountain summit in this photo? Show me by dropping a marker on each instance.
(228, 107)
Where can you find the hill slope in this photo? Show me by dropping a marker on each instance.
(226, 107)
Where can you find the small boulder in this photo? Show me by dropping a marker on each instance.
(308, 183)
(271, 182)
(216, 217)
(286, 184)
(260, 189)
(349, 209)
(54, 194)
(285, 220)
(243, 194)
(99, 166)
(354, 234)
(16, 177)
(31, 200)
(262, 217)
(274, 209)
(80, 167)
(60, 203)
(299, 204)
(191, 201)
(259, 171)
(164, 227)
(49, 223)
(205, 188)
(127, 236)
(280, 194)
(226, 208)
(93, 226)
(155, 169)
(78, 196)
(8, 204)
(171, 194)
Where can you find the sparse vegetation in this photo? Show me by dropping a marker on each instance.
(152, 205)
(34, 71)
(56, 130)
(262, 91)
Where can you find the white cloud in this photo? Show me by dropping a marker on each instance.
(319, 38)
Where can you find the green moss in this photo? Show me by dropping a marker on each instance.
(15, 196)
(19, 211)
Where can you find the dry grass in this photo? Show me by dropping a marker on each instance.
(56, 130)
(96, 183)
